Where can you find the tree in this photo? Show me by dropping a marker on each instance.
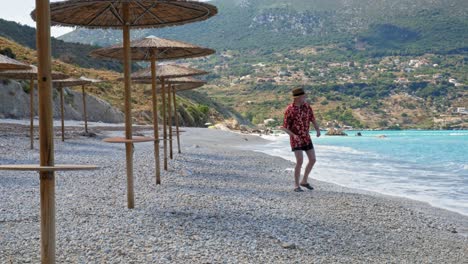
(8, 52)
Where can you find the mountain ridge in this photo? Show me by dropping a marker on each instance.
(74, 53)
(369, 64)
(271, 24)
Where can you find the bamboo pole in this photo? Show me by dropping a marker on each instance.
(163, 93)
(46, 140)
(84, 109)
(62, 112)
(155, 119)
(176, 115)
(31, 112)
(169, 119)
(128, 105)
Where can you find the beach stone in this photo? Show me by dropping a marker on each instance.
(288, 245)
(232, 209)
(186, 172)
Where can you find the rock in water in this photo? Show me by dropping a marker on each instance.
(335, 132)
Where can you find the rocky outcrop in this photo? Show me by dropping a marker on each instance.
(14, 103)
(335, 132)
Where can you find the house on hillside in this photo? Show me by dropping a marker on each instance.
(265, 80)
(401, 80)
(246, 78)
(461, 110)
(455, 82)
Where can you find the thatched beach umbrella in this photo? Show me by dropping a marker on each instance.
(164, 72)
(126, 14)
(84, 98)
(47, 166)
(31, 75)
(60, 84)
(176, 84)
(7, 63)
(154, 49)
(181, 84)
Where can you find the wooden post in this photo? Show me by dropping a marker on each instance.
(163, 93)
(31, 114)
(169, 119)
(128, 105)
(62, 113)
(176, 115)
(155, 119)
(84, 109)
(46, 140)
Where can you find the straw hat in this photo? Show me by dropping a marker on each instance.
(298, 92)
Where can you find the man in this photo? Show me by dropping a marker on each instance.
(297, 119)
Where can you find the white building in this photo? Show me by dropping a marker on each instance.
(461, 110)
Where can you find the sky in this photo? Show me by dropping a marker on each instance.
(19, 10)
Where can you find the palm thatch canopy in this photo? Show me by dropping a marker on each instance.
(154, 47)
(28, 74)
(7, 63)
(188, 86)
(167, 71)
(70, 82)
(90, 79)
(185, 83)
(143, 13)
(185, 80)
(180, 80)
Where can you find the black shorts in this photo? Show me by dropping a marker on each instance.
(304, 148)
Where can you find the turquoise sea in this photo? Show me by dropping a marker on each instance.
(430, 166)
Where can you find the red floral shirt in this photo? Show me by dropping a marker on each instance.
(297, 119)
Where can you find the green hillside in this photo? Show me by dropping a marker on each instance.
(376, 26)
(366, 63)
(194, 109)
(72, 53)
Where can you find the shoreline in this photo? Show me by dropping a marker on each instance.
(362, 189)
(217, 203)
(416, 204)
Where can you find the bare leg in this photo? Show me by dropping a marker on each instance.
(297, 169)
(310, 165)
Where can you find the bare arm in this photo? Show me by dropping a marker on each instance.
(316, 126)
(289, 132)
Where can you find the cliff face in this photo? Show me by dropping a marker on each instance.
(14, 103)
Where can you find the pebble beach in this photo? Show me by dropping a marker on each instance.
(218, 203)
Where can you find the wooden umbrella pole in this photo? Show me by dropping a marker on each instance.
(128, 106)
(155, 119)
(62, 113)
(31, 112)
(169, 120)
(163, 93)
(46, 140)
(176, 115)
(84, 109)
